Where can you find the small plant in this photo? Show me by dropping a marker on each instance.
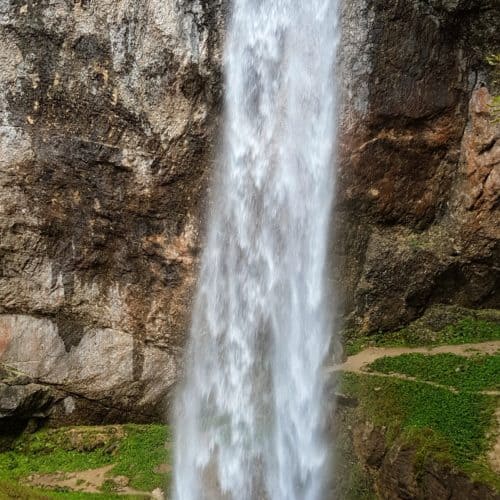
(415, 243)
(109, 486)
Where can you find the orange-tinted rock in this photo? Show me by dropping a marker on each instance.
(417, 218)
(481, 155)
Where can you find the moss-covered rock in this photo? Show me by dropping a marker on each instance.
(441, 324)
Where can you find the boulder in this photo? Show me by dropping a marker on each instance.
(21, 401)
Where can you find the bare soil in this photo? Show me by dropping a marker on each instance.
(88, 481)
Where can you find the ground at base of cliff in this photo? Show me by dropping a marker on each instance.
(87, 463)
(425, 424)
(427, 419)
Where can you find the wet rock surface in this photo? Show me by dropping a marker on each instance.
(417, 215)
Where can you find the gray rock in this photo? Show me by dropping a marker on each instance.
(106, 365)
(22, 399)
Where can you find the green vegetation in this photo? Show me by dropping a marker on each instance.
(136, 451)
(444, 426)
(473, 373)
(9, 490)
(454, 424)
(352, 482)
(143, 452)
(440, 326)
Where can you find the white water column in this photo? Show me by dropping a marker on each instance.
(250, 420)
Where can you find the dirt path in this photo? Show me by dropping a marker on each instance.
(88, 481)
(360, 361)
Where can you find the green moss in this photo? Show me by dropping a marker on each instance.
(473, 373)
(440, 325)
(351, 480)
(442, 425)
(360, 487)
(135, 450)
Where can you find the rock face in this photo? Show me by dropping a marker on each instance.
(21, 400)
(107, 113)
(108, 126)
(418, 188)
(396, 475)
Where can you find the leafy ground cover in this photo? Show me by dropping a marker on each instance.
(450, 427)
(141, 453)
(475, 373)
(440, 326)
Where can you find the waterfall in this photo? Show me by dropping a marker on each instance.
(250, 420)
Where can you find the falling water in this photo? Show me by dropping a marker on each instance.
(250, 420)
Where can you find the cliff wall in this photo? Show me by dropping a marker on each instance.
(109, 121)
(108, 112)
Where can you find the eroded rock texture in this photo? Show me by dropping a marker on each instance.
(420, 154)
(106, 134)
(108, 126)
(397, 476)
(23, 404)
(20, 398)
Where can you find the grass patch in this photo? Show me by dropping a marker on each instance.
(76, 495)
(141, 453)
(11, 490)
(136, 450)
(474, 373)
(449, 427)
(441, 325)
